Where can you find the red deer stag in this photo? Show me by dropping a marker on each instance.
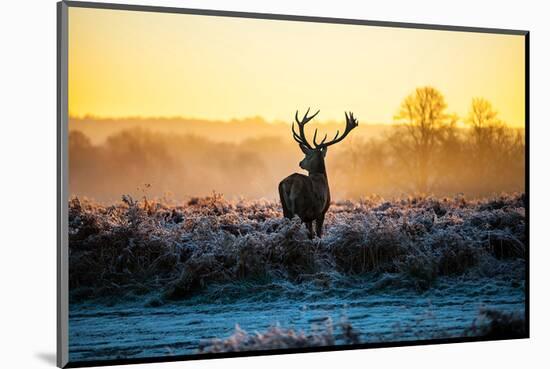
(309, 196)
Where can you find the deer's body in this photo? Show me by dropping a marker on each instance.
(308, 197)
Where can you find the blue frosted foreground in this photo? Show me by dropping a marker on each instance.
(151, 279)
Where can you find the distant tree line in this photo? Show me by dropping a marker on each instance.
(427, 151)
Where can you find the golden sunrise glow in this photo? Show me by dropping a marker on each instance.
(127, 63)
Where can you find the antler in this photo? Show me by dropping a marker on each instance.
(301, 137)
(351, 123)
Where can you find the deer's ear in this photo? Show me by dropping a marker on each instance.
(304, 149)
(324, 151)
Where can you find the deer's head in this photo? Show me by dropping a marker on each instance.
(314, 161)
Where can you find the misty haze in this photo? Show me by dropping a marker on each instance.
(181, 159)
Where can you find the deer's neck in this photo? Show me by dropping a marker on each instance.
(319, 169)
(320, 184)
(318, 176)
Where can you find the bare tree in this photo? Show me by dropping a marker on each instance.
(486, 130)
(483, 120)
(422, 115)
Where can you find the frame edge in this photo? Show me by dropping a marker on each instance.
(288, 17)
(62, 358)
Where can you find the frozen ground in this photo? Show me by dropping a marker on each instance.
(136, 329)
(149, 278)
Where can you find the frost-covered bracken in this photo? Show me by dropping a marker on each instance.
(494, 324)
(277, 337)
(179, 250)
(490, 324)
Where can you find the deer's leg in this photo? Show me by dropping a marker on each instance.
(319, 225)
(309, 226)
(286, 211)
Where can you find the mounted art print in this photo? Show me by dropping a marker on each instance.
(234, 184)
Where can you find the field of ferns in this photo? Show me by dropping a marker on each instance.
(172, 253)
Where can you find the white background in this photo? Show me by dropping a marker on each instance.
(28, 182)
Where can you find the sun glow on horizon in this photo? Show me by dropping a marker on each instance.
(142, 64)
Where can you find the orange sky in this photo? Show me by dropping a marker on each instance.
(124, 63)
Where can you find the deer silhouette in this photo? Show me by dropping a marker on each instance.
(309, 196)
